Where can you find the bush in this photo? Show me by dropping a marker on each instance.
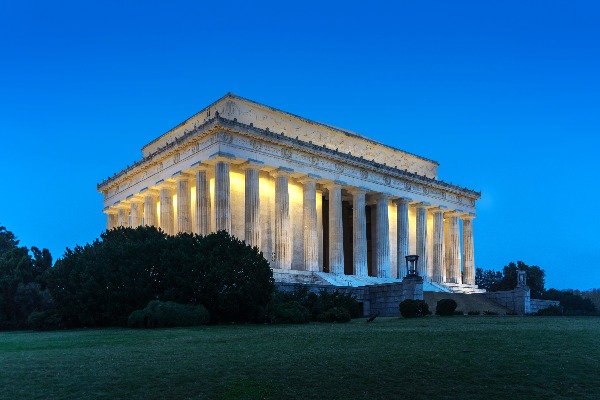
(336, 314)
(459, 312)
(289, 312)
(445, 307)
(159, 314)
(315, 304)
(44, 321)
(413, 308)
(487, 312)
(552, 311)
(511, 313)
(473, 313)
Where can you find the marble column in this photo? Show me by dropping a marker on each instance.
(336, 230)
(468, 250)
(222, 197)
(453, 249)
(283, 242)
(403, 235)
(136, 208)
(422, 250)
(111, 219)
(439, 256)
(252, 206)
(382, 249)
(166, 209)
(184, 204)
(202, 202)
(123, 215)
(359, 232)
(309, 224)
(150, 208)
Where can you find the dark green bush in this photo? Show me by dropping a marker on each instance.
(289, 312)
(445, 307)
(316, 304)
(552, 311)
(511, 313)
(335, 314)
(459, 312)
(44, 321)
(487, 312)
(159, 314)
(473, 313)
(413, 308)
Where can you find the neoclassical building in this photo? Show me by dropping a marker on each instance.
(318, 201)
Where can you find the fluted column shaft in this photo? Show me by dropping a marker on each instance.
(150, 210)
(468, 252)
(422, 262)
(136, 213)
(359, 232)
(123, 217)
(309, 225)
(439, 266)
(252, 207)
(402, 235)
(166, 210)
(283, 248)
(111, 220)
(336, 230)
(202, 203)
(222, 197)
(454, 250)
(382, 256)
(184, 204)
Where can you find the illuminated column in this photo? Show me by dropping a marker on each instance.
(252, 205)
(336, 230)
(382, 255)
(283, 245)
(439, 266)
(402, 234)
(166, 209)
(309, 224)
(202, 201)
(453, 249)
(184, 204)
(136, 212)
(150, 208)
(222, 197)
(123, 215)
(111, 218)
(359, 233)
(422, 263)
(468, 250)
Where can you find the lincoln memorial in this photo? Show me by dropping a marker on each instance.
(322, 203)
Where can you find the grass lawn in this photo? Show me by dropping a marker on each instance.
(391, 358)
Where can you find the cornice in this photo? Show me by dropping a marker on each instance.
(217, 123)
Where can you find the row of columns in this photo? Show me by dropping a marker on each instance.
(445, 265)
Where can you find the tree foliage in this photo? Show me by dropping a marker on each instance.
(507, 279)
(102, 283)
(571, 301)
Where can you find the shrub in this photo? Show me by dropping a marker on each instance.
(44, 321)
(473, 313)
(511, 313)
(158, 314)
(289, 312)
(336, 299)
(487, 312)
(335, 314)
(552, 311)
(445, 307)
(413, 308)
(459, 312)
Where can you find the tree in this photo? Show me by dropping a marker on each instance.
(486, 279)
(571, 301)
(507, 279)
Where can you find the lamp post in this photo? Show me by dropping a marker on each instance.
(411, 265)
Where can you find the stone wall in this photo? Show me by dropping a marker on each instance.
(382, 300)
(517, 299)
(536, 305)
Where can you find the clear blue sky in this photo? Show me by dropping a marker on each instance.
(505, 95)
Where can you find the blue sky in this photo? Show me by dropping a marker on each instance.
(505, 95)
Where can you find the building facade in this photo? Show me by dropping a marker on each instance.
(313, 198)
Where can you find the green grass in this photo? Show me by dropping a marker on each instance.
(429, 358)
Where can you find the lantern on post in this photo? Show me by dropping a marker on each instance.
(411, 265)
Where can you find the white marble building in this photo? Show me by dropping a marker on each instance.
(316, 200)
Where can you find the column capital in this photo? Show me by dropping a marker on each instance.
(109, 210)
(381, 196)
(423, 204)
(334, 185)
(165, 184)
(179, 175)
(199, 166)
(149, 192)
(439, 209)
(251, 164)
(281, 171)
(453, 213)
(220, 156)
(402, 200)
(469, 216)
(125, 204)
(309, 178)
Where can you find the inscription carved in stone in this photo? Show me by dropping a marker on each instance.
(387, 180)
(287, 153)
(256, 145)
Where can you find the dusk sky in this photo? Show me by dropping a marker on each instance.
(505, 95)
